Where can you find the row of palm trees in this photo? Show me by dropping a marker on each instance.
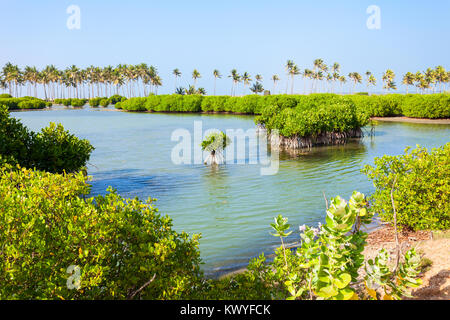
(73, 82)
(141, 79)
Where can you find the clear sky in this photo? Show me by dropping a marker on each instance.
(256, 36)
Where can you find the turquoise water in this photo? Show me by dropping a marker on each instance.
(233, 205)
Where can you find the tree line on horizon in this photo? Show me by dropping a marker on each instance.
(142, 80)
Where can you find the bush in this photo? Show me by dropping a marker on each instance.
(23, 103)
(116, 98)
(53, 149)
(214, 103)
(56, 150)
(104, 102)
(133, 104)
(312, 116)
(95, 102)
(78, 102)
(427, 106)
(421, 190)
(5, 95)
(55, 245)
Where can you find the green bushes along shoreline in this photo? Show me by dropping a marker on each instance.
(431, 106)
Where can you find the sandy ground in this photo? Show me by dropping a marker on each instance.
(412, 120)
(436, 281)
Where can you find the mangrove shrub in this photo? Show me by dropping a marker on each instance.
(56, 245)
(420, 181)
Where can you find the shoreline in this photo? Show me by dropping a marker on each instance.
(412, 120)
(386, 119)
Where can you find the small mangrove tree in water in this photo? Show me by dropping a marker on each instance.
(215, 143)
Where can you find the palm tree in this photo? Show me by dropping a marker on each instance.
(257, 87)
(177, 74)
(294, 71)
(289, 65)
(235, 77)
(388, 79)
(368, 74)
(441, 76)
(371, 81)
(216, 75)
(335, 70)
(258, 77)
(408, 80)
(180, 90)
(342, 80)
(307, 74)
(246, 79)
(431, 78)
(356, 77)
(275, 79)
(157, 82)
(318, 63)
(195, 76)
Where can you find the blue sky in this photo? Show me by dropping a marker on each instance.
(253, 36)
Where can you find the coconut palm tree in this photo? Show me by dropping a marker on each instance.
(246, 80)
(275, 79)
(236, 78)
(176, 72)
(257, 87)
(216, 75)
(258, 77)
(335, 74)
(408, 80)
(342, 80)
(195, 76)
(431, 78)
(372, 81)
(388, 80)
(307, 74)
(441, 76)
(356, 77)
(294, 71)
(288, 66)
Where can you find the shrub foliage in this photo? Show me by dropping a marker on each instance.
(421, 183)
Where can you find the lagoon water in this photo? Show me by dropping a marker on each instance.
(231, 206)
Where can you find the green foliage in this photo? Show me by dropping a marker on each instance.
(78, 102)
(53, 149)
(215, 141)
(95, 102)
(379, 105)
(56, 150)
(427, 106)
(5, 95)
(395, 283)
(328, 260)
(312, 115)
(71, 102)
(22, 103)
(421, 191)
(116, 245)
(116, 98)
(104, 102)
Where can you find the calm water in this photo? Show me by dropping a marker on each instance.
(231, 206)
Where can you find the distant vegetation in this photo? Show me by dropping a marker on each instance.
(412, 105)
(141, 80)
